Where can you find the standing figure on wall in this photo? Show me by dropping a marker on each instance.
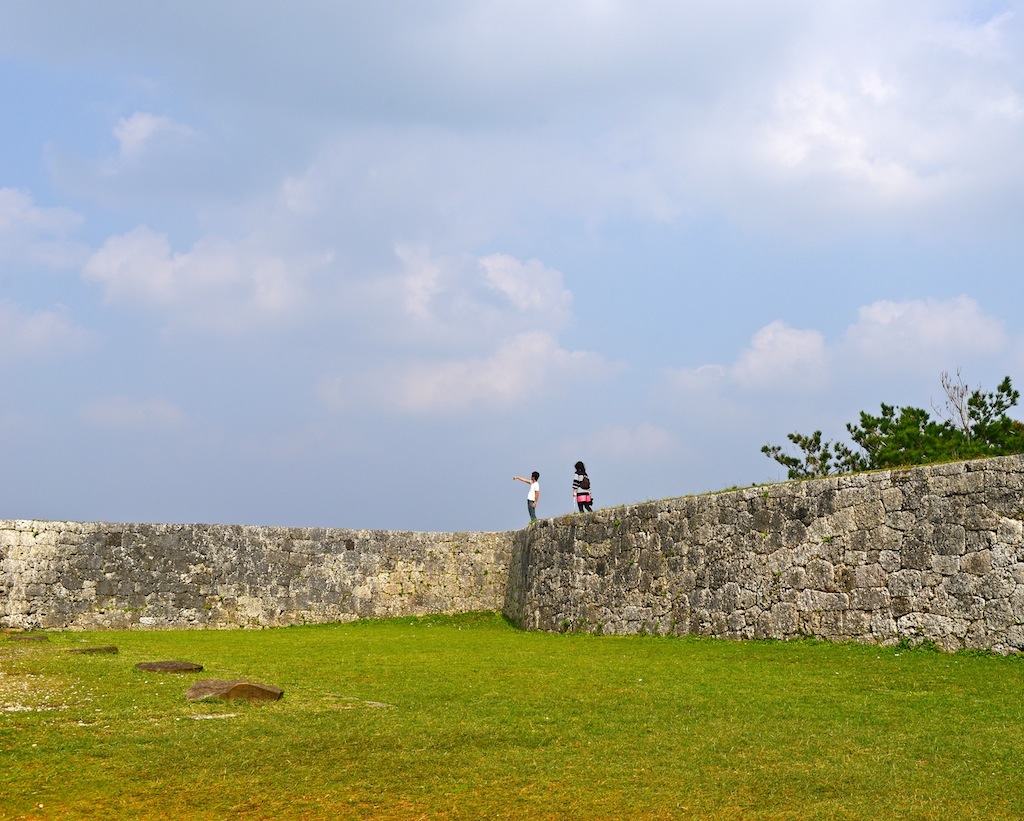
(581, 489)
(533, 496)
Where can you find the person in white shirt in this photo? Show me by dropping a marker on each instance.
(533, 497)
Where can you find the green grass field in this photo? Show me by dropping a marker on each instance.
(466, 717)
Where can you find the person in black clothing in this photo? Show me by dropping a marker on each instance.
(581, 489)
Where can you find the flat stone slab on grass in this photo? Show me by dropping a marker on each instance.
(231, 690)
(28, 637)
(169, 666)
(106, 648)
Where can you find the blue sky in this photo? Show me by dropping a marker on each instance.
(352, 264)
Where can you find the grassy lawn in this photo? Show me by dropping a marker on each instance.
(467, 717)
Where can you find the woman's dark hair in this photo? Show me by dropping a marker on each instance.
(535, 475)
(580, 468)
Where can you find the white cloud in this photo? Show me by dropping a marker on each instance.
(480, 298)
(530, 287)
(466, 332)
(521, 368)
(33, 235)
(838, 133)
(648, 108)
(922, 333)
(910, 337)
(422, 281)
(782, 358)
(873, 122)
(218, 284)
(141, 132)
(40, 333)
(128, 413)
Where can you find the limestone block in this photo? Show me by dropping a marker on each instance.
(950, 539)
(883, 626)
(737, 621)
(729, 597)
(889, 560)
(783, 621)
(995, 586)
(821, 575)
(1015, 636)
(901, 519)
(867, 515)
(1004, 556)
(794, 577)
(946, 565)
(1010, 531)
(871, 599)
(925, 625)
(998, 615)
(869, 575)
(915, 555)
(817, 600)
(951, 485)
(232, 690)
(892, 500)
(979, 563)
(853, 624)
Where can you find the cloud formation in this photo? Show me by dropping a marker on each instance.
(142, 132)
(923, 333)
(889, 337)
(33, 334)
(218, 285)
(35, 236)
(781, 358)
(645, 227)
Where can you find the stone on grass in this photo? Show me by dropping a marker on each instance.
(169, 666)
(28, 637)
(105, 648)
(231, 690)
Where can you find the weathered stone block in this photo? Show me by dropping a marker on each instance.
(871, 598)
(1010, 531)
(889, 560)
(916, 555)
(783, 620)
(978, 563)
(871, 575)
(855, 623)
(998, 615)
(946, 565)
(821, 575)
(233, 690)
(794, 577)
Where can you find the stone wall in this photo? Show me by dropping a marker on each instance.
(99, 575)
(931, 553)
